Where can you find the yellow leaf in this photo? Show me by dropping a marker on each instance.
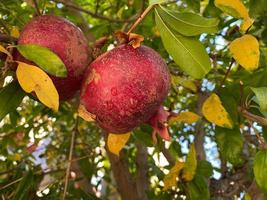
(170, 179)
(83, 113)
(190, 166)
(234, 8)
(32, 78)
(246, 24)
(186, 117)
(3, 50)
(14, 32)
(117, 141)
(214, 112)
(246, 51)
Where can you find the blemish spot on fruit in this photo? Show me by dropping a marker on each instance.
(114, 91)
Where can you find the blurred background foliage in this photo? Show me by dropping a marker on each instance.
(35, 142)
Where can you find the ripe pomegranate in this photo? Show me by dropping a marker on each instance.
(67, 41)
(125, 87)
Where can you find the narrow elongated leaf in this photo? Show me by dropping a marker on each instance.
(32, 78)
(170, 179)
(116, 142)
(214, 112)
(261, 95)
(188, 53)
(246, 51)
(44, 58)
(190, 166)
(10, 98)
(188, 24)
(230, 143)
(24, 187)
(260, 169)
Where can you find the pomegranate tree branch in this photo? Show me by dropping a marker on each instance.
(73, 135)
(126, 186)
(167, 155)
(252, 117)
(140, 19)
(142, 178)
(93, 14)
(200, 132)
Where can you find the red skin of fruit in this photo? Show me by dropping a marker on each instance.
(125, 87)
(67, 41)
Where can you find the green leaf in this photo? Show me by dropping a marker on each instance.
(261, 96)
(188, 24)
(154, 2)
(190, 166)
(25, 186)
(230, 143)
(197, 189)
(257, 7)
(188, 53)
(10, 98)
(44, 58)
(211, 10)
(204, 168)
(260, 169)
(194, 5)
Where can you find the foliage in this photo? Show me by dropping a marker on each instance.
(216, 53)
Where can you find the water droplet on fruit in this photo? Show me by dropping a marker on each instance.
(114, 91)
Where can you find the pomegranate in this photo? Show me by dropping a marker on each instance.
(125, 87)
(67, 41)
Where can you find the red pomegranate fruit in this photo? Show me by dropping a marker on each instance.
(67, 41)
(125, 87)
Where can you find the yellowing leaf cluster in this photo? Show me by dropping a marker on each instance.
(236, 9)
(214, 112)
(116, 142)
(246, 51)
(188, 169)
(33, 79)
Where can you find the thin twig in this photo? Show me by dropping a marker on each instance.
(227, 72)
(91, 13)
(252, 117)
(70, 158)
(11, 183)
(140, 19)
(259, 137)
(36, 7)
